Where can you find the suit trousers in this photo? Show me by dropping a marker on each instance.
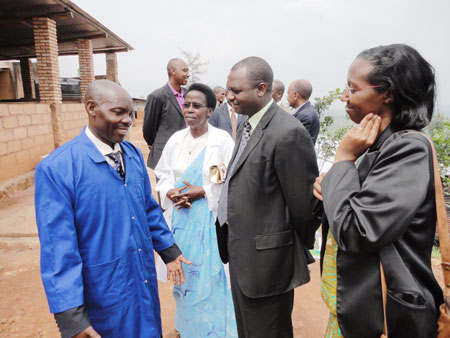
(266, 317)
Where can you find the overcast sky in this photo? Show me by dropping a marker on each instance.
(312, 39)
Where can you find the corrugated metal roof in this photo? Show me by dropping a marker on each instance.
(16, 29)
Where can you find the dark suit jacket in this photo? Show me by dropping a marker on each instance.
(308, 116)
(384, 209)
(163, 117)
(270, 224)
(220, 118)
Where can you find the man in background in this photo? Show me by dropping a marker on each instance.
(299, 93)
(277, 94)
(220, 95)
(163, 114)
(223, 117)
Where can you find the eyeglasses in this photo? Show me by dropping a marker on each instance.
(352, 91)
(195, 105)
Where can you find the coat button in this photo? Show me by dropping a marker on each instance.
(139, 249)
(145, 281)
(132, 217)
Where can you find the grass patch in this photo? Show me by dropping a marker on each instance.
(436, 252)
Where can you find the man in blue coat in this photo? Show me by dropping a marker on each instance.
(98, 226)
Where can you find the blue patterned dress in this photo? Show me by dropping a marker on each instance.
(204, 306)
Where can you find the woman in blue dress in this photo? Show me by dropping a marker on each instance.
(204, 306)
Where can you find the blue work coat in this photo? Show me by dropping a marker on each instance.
(97, 237)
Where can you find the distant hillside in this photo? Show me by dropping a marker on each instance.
(340, 111)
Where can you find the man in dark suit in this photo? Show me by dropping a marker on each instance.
(163, 110)
(224, 118)
(299, 93)
(265, 207)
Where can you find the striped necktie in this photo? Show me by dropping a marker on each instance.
(117, 164)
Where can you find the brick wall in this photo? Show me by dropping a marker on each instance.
(86, 61)
(46, 45)
(26, 134)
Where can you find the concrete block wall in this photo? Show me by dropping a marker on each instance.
(72, 120)
(25, 135)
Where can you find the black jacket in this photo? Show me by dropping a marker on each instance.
(162, 118)
(384, 209)
(270, 225)
(308, 116)
(220, 118)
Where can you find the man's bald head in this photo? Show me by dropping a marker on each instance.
(277, 90)
(178, 72)
(299, 92)
(303, 87)
(220, 94)
(174, 63)
(257, 71)
(101, 90)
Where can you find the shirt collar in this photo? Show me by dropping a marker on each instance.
(254, 120)
(301, 106)
(180, 94)
(104, 148)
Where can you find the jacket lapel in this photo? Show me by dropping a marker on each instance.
(173, 99)
(302, 108)
(254, 138)
(226, 114)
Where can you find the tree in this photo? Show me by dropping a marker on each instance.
(329, 136)
(439, 131)
(197, 67)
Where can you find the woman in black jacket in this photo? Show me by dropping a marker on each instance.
(379, 202)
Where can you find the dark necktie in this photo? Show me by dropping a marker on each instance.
(117, 164)
(223, 201)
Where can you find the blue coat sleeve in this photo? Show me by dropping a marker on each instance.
(61, 265)
(161, 235)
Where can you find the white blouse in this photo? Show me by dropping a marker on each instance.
(190, 149)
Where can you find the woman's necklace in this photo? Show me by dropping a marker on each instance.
(192, 144)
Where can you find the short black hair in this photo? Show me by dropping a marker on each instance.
(258, 70)
(409, 77)
(209, 93)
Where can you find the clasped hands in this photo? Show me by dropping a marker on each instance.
(354, 143)
(184, 199)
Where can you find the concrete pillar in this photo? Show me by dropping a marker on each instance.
(86, 61)
(26, 69)
(46, 46)
(111, 67)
